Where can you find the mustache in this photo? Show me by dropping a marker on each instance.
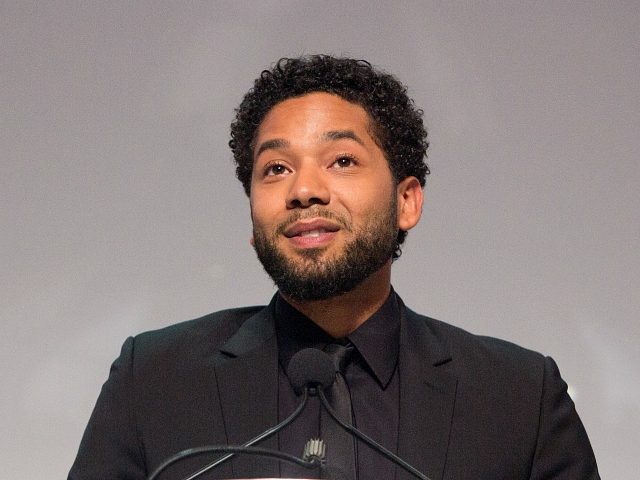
(298, 215)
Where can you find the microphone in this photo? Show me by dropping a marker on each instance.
(309, 370)
(312, 369)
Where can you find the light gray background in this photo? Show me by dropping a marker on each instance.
(120, 211)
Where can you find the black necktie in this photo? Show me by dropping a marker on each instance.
(341, 459)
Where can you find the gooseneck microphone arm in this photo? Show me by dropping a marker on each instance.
(231, 451)
(372, 443)
(236, 450)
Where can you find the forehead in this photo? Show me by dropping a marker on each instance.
(312, 113)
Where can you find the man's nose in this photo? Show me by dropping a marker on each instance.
(308, 188)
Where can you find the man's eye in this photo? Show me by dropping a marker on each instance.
(275, 169)
(344, 161)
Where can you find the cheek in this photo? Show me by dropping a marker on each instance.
(264, 212)
(369, 198)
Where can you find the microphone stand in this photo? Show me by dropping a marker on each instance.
(372, 443)
(231, 450)
(243, 448)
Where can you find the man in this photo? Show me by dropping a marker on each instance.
(331, 154)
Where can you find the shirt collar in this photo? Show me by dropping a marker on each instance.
(376, 340)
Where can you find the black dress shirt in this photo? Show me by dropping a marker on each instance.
(373, 381)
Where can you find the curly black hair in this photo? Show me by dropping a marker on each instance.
(397, 124)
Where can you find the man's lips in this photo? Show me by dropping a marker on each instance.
(311, 233)
(311, 228)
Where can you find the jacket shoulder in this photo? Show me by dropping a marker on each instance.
(199, 336)
(478, 354)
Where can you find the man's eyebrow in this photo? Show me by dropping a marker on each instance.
(340, 134)
(332, 135)
(273, 144)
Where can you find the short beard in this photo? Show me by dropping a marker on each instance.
(312, 278)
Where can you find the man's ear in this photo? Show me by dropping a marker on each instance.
(410, 200)
(252, 241)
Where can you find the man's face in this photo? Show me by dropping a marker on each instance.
(323, 200)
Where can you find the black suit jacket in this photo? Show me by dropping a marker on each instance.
(470, 407)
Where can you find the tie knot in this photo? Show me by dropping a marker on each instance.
(340, 355)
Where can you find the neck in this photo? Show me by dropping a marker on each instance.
(342, 314)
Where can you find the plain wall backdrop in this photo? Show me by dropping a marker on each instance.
(120, 212)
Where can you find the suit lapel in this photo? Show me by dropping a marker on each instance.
(427, 397)
(247, 375)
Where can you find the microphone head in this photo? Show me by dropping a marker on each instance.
(310, 367)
